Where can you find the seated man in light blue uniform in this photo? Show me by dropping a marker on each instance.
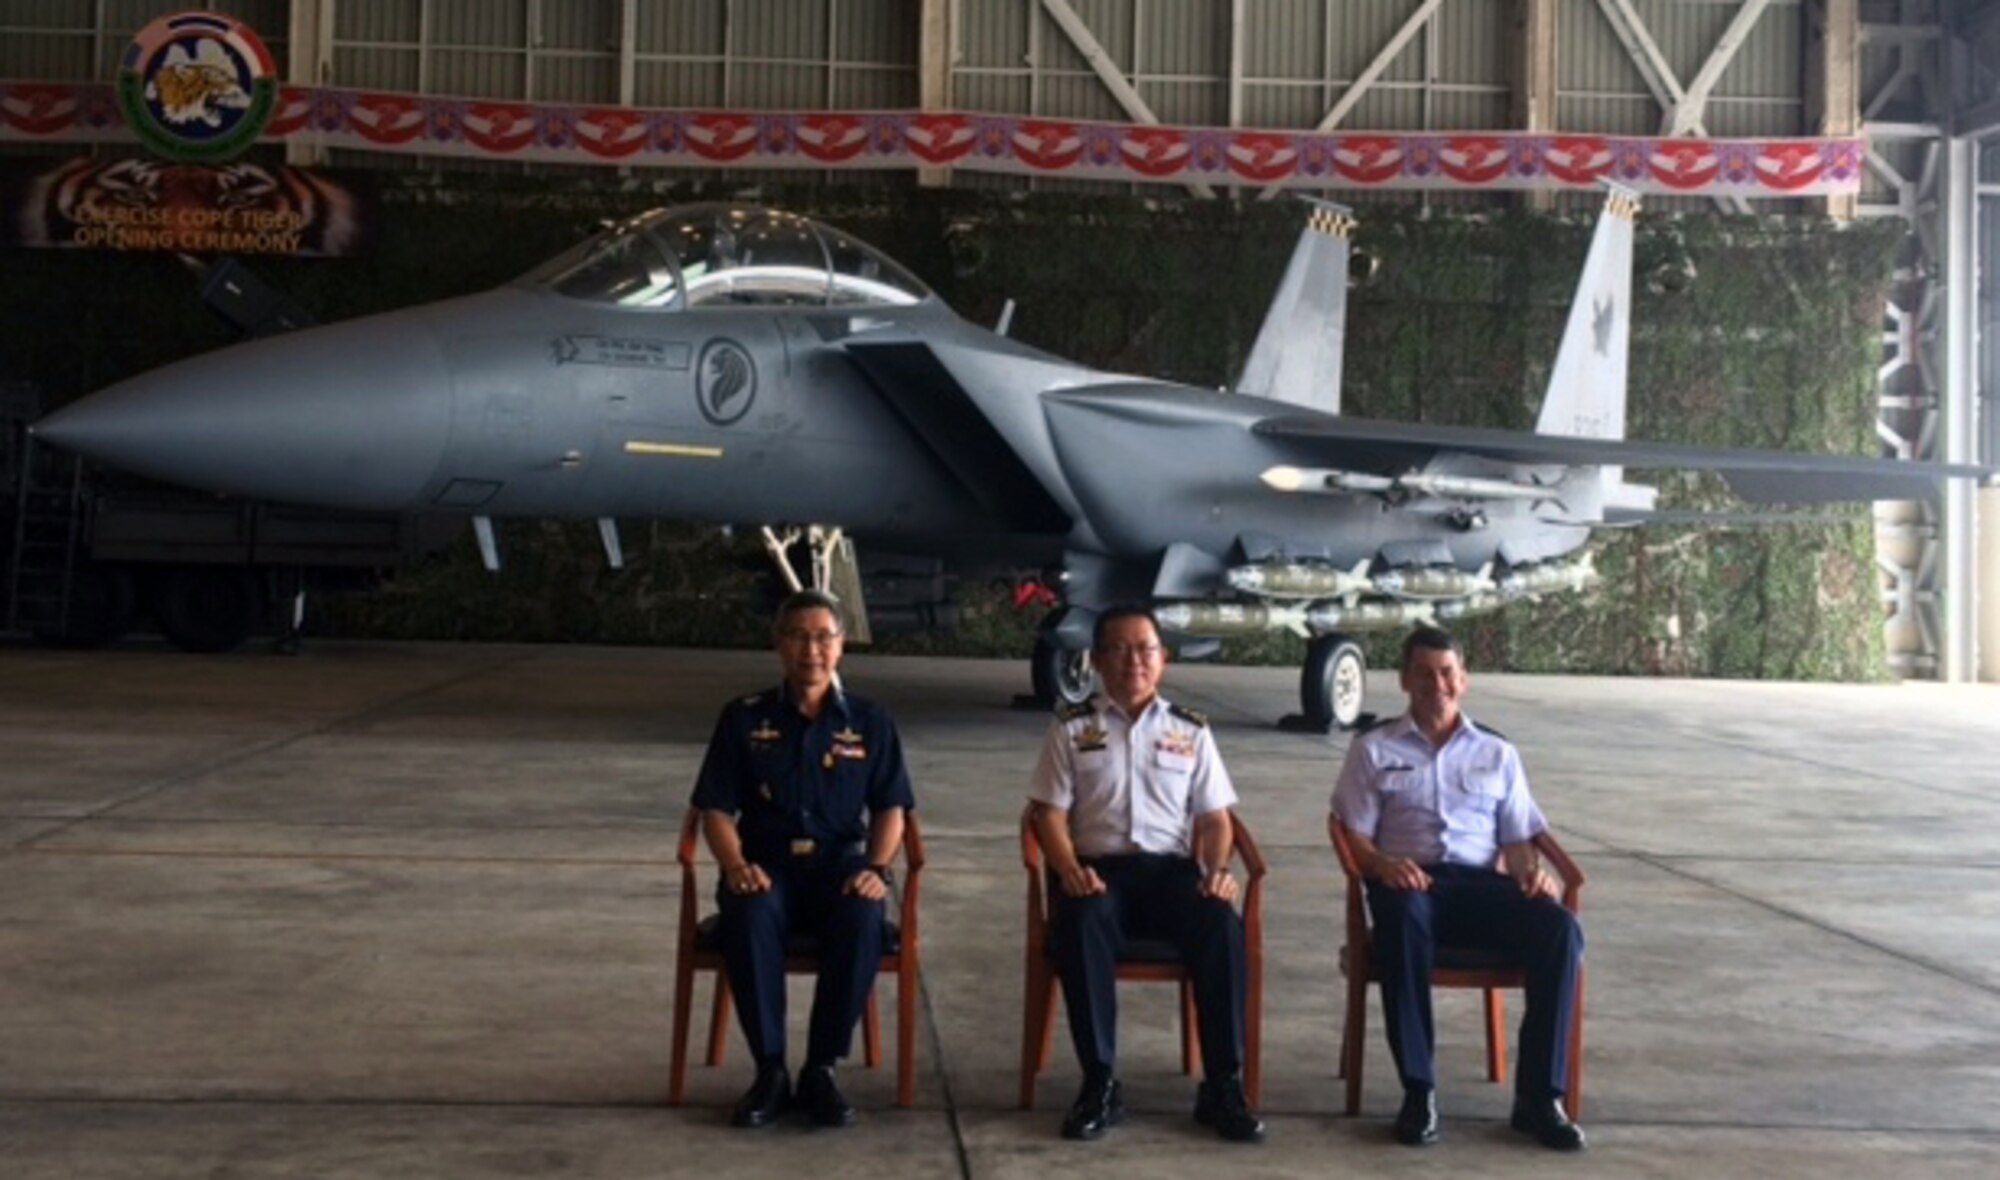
(1432, 802)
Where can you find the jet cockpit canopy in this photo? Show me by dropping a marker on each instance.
(719, 255)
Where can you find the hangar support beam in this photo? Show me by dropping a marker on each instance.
(1976, 119)
(1107, 72)
(937, 43)
(1959, 420)
(1235, 97)
(1686, 116)
(1935, 388)
(1645, 53)
(1833, 81)
(628, 61)
(1391, 49)
(311, 64)
(1682, 108)
(1535, 64)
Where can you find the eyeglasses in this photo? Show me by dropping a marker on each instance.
(1126, 651)
(820, 639)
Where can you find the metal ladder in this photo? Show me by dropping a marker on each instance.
(47, 526)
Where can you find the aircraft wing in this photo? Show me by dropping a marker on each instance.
(1617, 517)
(1761, 477)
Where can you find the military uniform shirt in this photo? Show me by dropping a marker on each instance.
(1131, 784)
(1454, 804)
(789, 778)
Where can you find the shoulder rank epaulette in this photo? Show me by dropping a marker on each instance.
(1072, 712)
(752, 699)
(1194, 717)
(1482, 727)
(1366, 722)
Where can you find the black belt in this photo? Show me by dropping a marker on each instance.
(1457, 868)
(1137, 862)
(806, 850)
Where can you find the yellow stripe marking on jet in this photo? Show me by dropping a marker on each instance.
(678, 450)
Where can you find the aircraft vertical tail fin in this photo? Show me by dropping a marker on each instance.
(1586, 395)
(1298, 353)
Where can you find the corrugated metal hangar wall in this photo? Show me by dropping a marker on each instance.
(1920, 77)
(1352, 64)
(1253, 63)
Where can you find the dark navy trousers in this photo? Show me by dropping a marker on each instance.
(1148, 896)
(1477, 908)
(755, 928)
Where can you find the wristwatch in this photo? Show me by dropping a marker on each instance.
(886, 872)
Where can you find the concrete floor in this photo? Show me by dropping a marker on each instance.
(408, 910)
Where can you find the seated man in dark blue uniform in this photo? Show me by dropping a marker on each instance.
(802, 796)
(1132, 809)
(1432, 802)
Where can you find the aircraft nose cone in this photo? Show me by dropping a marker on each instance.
(347, 416)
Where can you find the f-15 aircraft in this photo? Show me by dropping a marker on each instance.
(738, 365)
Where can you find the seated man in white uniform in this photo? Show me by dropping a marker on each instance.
(1132, 809)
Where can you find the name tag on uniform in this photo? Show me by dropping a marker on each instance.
(846, 744)
(804, 847)
(1090, 737)
(1398, 782)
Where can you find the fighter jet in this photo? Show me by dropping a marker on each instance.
(744, 366)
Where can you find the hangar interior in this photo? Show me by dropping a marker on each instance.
(406, 909)
(1917, 78)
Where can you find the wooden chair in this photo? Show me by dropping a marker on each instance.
(701, 950)
(1455, 967)
(1141, 959)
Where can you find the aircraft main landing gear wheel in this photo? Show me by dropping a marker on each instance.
(1061, 677)
(1333, 683)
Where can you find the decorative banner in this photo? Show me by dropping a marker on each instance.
(141, 204)
(1499, 161)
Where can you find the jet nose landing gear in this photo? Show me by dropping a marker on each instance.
(1060, 677)
(1059, 669)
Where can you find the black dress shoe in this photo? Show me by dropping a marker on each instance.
(1417, 1122)
(1548, 1122)
(1099, 1107)
(1223, 1106)
(821, 1097)
(765, 1100)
